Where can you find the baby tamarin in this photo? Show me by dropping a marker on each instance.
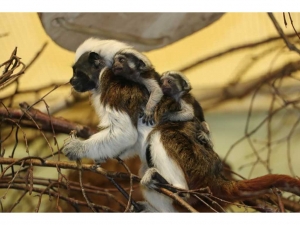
(135, 66)
(176, 85)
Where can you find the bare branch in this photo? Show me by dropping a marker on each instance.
(73, 202)
(37, 55)
(216, 97)
(231, 50)
(78, 162)
(292, 23)
(290, 46)
(37, 161)
(44, 120)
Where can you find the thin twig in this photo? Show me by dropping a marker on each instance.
(72, 201)
(68, 185)
(175, 196)
(290, 46)
(18, 201)
(37, 161)
(78, 162)
(130, 191)
(229, 51)
(279, 199)
(37, 55)
(292, 23)
(60, 125)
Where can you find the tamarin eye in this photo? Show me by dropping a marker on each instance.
(122, 60)
(169, 81)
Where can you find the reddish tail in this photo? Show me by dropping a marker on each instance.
(239, 190)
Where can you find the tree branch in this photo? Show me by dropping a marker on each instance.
(211, 98)
(36, 161)
(44, 120)
(282, 35)
(230, 50)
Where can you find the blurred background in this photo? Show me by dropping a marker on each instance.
(241, 70)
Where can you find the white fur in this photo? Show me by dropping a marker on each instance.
(186, 113)
(118, 135)
(143, 132)
(167, 73)
(166, 166)
(137, 54)
(157, 201)
(105, 48)
(132, 66)
(150, 84)
(155, 93)
(147, 178)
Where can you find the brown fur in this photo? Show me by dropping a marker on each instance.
(124, 95)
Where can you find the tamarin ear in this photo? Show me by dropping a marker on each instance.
(94, 58)
(186, 86)
(141, 65)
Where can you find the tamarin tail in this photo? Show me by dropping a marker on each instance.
(245, 189)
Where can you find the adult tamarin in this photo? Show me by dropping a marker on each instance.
(174, 152)
(117, 102)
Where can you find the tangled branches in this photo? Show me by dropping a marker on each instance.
(9, 75)
(35, 176)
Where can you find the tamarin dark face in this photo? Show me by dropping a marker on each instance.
(86, 71)
(128, 65)
(121, 65)
(174, 84)
(169, 86)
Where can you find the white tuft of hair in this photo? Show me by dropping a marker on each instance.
(137, 54)
(167, 73)
(105, 48)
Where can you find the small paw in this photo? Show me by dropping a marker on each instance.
(96, 166)
(74, 149)
(205, 127)
(147, 179)
(149, 121)
(148, 118)
(98, 163)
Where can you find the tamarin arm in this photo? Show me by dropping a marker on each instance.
(186, 113)
(155, 94)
